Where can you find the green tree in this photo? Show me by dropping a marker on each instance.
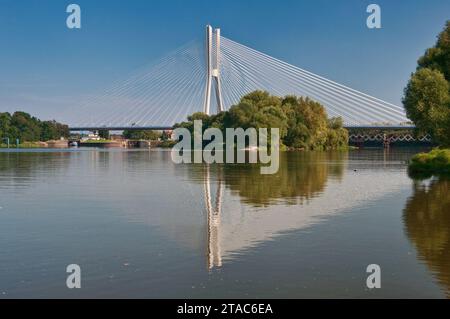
(141, 135)
(104, 134)
(5, 125)
(28, 127)
(52, 130)
(303, 123)
(427, 95)
(427, 103)
(438, 57)
(337, 135)
(258, 109)
(308, 123)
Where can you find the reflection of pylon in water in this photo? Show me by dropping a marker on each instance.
(213, 221)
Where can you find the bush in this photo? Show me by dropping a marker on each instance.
(427, 95)
(435, 162)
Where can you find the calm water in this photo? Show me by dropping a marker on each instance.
(141, 226)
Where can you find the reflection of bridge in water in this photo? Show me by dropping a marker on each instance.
(241, 213)
(213, 220)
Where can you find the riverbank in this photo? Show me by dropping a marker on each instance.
(32, 145)
(101, 143)
(436, 162)
(93, 143)
(25, 145)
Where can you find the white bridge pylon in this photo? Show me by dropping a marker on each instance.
(212, 69)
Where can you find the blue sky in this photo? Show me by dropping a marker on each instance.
(45, 67)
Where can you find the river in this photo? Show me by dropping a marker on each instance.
(139, 225)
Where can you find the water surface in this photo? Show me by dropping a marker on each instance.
(141, 226)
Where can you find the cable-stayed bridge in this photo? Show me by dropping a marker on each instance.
(213, 75)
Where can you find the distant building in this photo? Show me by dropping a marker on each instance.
(168, 134)
(117, 137)
(91, 137)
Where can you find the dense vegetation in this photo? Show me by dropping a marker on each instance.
(427, 95)
(25, 127)
(104, 134)
(436, 161)
(303, 123)
(142, 135)
(427, 104)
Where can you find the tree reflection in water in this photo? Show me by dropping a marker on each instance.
(301, 176)
(427, 224)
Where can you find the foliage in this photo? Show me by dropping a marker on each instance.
(141, 135)
(25, 127)
(303, 123)
(427, 95)
(257, 110)
(52, 130)
(427, 103)
(104, 134)
(438, 57)
(433, 163)
(309, 126)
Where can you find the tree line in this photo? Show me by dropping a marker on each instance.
(142, 135)
(427, 95)
(303, 123)
(23, 126)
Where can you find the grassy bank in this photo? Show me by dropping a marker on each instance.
(23, 145)
(436, 162)
(98, 141)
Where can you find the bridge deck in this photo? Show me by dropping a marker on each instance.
(165, 128)
(122, 128)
